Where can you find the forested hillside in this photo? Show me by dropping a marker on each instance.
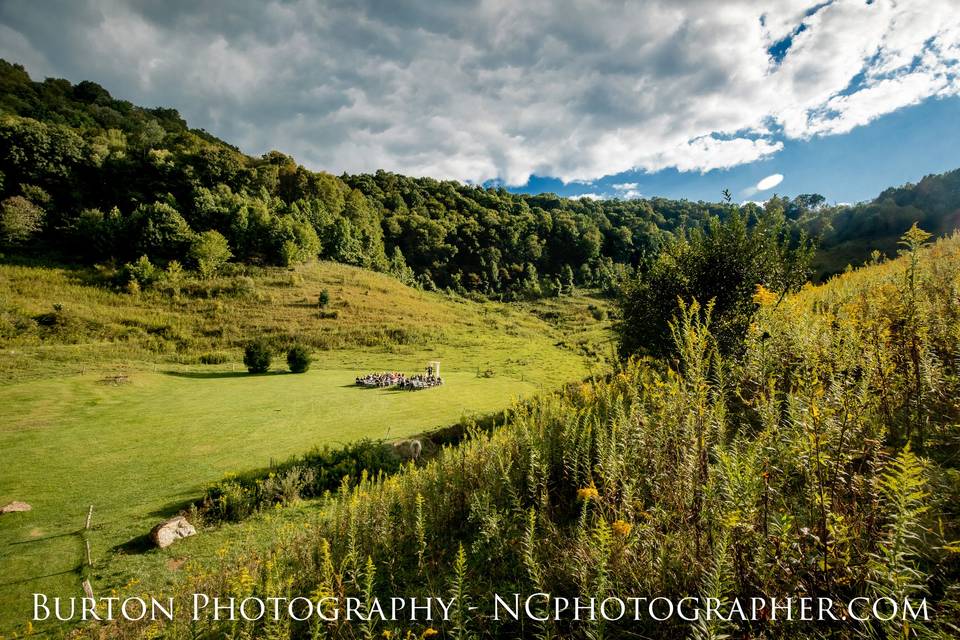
(87, 177)
(849, 234)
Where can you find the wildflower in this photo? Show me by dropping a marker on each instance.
(588, 493)
(429, 632)
(388, 634)
(763, 296)
(622, 528)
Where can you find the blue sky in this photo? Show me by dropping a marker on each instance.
(662, 97)
(894, 149)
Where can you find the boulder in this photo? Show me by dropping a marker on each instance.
(408, 449)
(15, 506)
(169, 531)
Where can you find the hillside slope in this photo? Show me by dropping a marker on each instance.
(848, 235)
(91, 178)
(64, 320)
(788, 474)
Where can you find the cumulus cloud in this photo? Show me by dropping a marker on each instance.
(575, 89)
(627, 190)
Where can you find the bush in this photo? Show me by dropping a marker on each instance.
(213, 357)
(257, 357)
(597, 313)
(309, 476)
(298, 359)
(721, 264)
(209, 252)
(19, 219)
(142, 272)
(324, 299)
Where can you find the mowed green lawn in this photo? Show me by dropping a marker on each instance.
(139, 451)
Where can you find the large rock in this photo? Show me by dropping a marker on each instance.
(166, 533)
(408, 449)
(15, 506)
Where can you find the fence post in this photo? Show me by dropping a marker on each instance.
(87, 587)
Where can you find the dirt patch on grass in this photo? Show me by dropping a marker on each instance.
(174, 564)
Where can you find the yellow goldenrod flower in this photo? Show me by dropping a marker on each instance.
(430, 631)
(588, 493)
(622, 528)
(763, 296)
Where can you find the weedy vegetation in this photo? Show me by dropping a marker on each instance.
(821, 461)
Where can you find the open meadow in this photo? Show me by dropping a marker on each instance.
(589, 490)
(109, 406)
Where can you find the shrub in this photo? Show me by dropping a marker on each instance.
(257, 357)
(209, 252)
(19, 219)
(309, 476)
(597, 313)
(324, 299)
(213, 357)
(298, 359)
(721, 264)
(143, 272)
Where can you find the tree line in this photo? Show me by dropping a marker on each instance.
(87, 177)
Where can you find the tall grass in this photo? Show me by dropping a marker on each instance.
(822, 463)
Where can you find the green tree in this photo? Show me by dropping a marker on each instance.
(19, 219)
(257, 357)
(566, 278)
(209, 252)
(721, 264)
(298, 359)
(159, 231)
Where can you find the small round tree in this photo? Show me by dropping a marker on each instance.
(257, 357)
(324, 299)
(298, 359)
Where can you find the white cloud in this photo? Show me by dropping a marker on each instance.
(500, 89)
(769, 182)
(627, 190)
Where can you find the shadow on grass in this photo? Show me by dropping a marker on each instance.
(138, 545)
(143, 543)
(32, 578)
(201, 375)
(172, 509)
(45, 538)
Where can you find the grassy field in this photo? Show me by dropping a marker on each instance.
(141, 449)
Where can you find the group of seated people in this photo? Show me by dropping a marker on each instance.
(385, 379)
(420, 381)
(400, 380)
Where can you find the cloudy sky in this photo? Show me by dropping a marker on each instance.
(668, 97)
